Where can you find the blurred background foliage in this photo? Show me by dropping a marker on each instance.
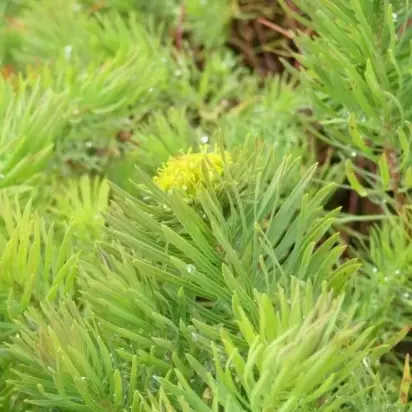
(105, 287)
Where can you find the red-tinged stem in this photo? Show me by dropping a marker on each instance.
(289, 34)
(179, 30)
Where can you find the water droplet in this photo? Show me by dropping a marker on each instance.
(84, 378)
(1, 176)
(89, 145)
(375, 270)
(204, 139)
(76, 7)
(395, 16)
(397, 272)
(353, 154)
(155, 383)
(178, 72)
(190, 268)
(209, 365)
(68, 51)
(406, 295)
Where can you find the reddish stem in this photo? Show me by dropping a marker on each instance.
(179, 30)
(290, 35)
(395, 177)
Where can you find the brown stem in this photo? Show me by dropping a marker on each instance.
(179, 30)
(287, 33)
(269, 60)
(354, 200)
(248, 53)
(395, 177)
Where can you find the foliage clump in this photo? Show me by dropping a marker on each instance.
(205, 206)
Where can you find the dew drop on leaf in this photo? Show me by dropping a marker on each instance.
(68, 51)
(76, 7)
(190, 268)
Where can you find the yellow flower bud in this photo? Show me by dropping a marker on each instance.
(185, 172)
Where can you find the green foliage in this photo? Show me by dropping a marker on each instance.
(385, 287)
(117, 295)
(34, 269)
(81, 204)
(289, 354)
(162, 285)
(359, 79)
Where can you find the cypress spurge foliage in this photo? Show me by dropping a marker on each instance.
(233, 298)
(360, 84)
(168, 242)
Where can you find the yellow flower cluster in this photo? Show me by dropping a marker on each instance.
(185, 172)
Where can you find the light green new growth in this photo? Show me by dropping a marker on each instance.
(140, 273)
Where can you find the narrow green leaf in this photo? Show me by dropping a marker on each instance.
(353, 180)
